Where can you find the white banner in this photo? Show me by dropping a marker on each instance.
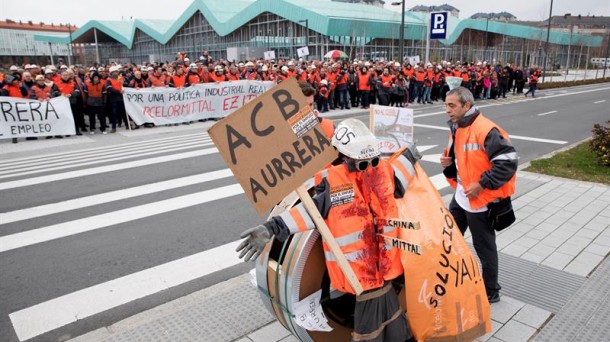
(303, 51)
(393, 127)
(163, 106)
(20, 118)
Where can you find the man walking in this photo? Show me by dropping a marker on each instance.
(480, 163)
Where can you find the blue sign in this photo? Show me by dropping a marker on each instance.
(438, 25)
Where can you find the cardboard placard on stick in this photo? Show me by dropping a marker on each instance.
(274, 144)
(269, 151)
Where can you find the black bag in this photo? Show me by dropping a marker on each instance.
(501, 214)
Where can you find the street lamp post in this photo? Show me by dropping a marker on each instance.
(565, 16)
(401, 36)
(546, 45)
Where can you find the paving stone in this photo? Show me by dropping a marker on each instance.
(587, 233)
(526, 241)
(514, 250)
(532, 316)
(597, 249)
(553, 241)
(558, 260)
(505, 309)
(515, 332)
(290, 338)
(532, 257)
(537, 234)
(570, 249)
(272, 332)
(578, 267)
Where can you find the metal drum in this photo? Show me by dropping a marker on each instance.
(289, 272)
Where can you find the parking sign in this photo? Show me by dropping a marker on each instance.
(438, 25)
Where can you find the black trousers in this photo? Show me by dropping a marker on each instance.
(484, 241)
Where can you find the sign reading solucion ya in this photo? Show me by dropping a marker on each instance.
(163, 106)
(32, 118)
(438, 25)
(272, 145)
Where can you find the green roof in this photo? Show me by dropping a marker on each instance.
(328, 18)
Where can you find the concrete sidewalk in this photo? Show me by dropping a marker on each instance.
(554, 270)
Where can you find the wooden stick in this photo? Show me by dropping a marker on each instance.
(329, 239)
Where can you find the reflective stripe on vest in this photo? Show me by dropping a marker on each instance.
(351, 257)
(297, 219)
(471, 147)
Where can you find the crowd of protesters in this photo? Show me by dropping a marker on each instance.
(96, 91)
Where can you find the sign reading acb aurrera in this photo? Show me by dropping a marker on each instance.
(273, 144)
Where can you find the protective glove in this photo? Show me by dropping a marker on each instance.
(412, 154)
(256, 239)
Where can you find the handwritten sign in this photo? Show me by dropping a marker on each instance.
(269, 156)
(32, 118)
(163, 106)
(309, 315)
(393, 127)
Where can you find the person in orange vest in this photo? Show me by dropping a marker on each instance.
(369, 187)
(323, 93)
(14, 88)
(532, 83)
(480, 162)
(364, 86)
(157, 79)
(114, 89)
(178, 80)
(385, 85)
(327, 124)
(137, 81)
(219, 74)
(419, 77)
(42, 91)
(68, 88)
(95, 102)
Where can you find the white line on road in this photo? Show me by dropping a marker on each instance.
(55, 313)
(101, 169)
(56, 231)
(67, 164)
(88, 201)
(601, 101)
(547, 113)
(118, 147)
(516, 137)
(433, 158)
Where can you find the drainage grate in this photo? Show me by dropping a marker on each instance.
(586, 315)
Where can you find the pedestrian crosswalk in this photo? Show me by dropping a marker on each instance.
(209, 200)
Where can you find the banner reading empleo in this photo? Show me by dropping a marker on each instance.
(163, 106)
(20, 118)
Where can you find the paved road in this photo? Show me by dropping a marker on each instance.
(95, 229)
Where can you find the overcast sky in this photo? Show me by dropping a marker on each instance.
(79, 12)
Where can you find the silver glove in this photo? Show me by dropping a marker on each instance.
(255, 240)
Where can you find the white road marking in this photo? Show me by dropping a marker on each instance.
(547, 113)
(424, 148)
(87, 201)
(94, 153)
(57, 312)
(602, 101)
(102, 169)
(56, 231)
(114, 156)
(439, 181)
(433, 158)
(517, 137)
(105, 148)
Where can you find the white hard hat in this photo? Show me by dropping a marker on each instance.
(284, 68)
(186, 59)
(367, 64)
(218, 68)
(353, 139)
(290, 63)
(249, 64)
(265, 68)
(28, 66)
(92, 69)
(13, 68)
(396, 64)
(325, 82)
(113, 68)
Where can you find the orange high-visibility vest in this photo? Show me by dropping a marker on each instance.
(363, 81)
(41, 93)
(66, 88)
(472, 161)
(95, 90)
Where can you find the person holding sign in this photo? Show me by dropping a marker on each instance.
(356, 200)
(480, 162)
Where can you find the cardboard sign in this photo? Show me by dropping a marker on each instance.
(269, 55)
(33, 118)
(392, 126)
(303, 51)
(269, 151)
(445, 293)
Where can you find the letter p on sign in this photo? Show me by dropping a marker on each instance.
(438, 25)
